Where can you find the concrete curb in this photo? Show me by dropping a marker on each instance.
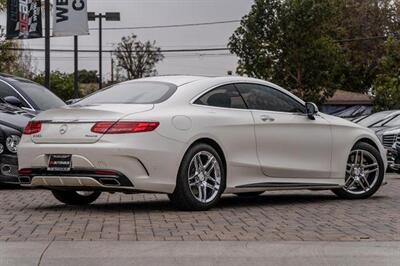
(199, 253)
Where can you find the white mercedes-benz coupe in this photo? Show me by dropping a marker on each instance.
(195, 138)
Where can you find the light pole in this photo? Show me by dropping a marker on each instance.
(47, 43)
(108, 16)
(76, 73)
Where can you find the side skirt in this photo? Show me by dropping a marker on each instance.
(288, 186)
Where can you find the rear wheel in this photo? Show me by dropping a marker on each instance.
(72, 197)
(364, 173)
(201, 179)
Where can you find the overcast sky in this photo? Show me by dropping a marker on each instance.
(157, 12)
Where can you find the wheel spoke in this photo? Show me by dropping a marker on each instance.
(205, 193)
(365, 182)
(371, 171)
(213, 179)
(361, 158)
(210, 160)
(193, 183)
(371, 165)
(196, 160)
(192, 177)
(362, 185)
(356, 157)
(211, 168)
(350, 182)
(199, 188)
(213, 188)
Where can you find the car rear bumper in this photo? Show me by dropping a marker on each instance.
(143, 163)
(83, 179)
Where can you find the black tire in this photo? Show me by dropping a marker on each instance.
(183, 197)
(249, 194)
(342, 193)
(71, 197)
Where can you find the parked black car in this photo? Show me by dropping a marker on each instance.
(12, 123)
(27, 94)
(20, 100)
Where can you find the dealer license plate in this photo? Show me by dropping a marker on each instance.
(59, 163)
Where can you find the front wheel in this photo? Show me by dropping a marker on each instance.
(71, 197)
(364, 173)
(201, 179)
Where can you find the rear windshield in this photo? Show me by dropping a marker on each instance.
(131, 93)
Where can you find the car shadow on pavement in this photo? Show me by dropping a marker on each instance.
(226, 202)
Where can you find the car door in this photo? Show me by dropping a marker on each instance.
(231, 124)
(289, 144)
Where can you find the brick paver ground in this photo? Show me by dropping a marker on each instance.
(36, 215)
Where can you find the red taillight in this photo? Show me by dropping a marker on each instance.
(123, 127)
(33, 127)
(25, 171)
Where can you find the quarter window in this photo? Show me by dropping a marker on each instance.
(260, 97)
(226, 96)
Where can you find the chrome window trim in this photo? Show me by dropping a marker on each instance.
(26, 101)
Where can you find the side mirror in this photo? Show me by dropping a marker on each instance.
(72, 101)
(13, 101)
(311, 110)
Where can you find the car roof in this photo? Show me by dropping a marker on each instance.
(177, 80)
(180, 80)
(203, 81)
(15, 78)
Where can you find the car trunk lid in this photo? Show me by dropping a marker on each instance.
(73, 124)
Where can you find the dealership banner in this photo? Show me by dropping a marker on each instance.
(24, 19)
(70, 18)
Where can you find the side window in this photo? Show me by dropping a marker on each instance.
(225, 96)
(259, 97)
(6, 90)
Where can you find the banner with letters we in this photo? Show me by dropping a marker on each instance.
(70, 18)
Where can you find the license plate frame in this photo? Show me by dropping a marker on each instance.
(59, 163)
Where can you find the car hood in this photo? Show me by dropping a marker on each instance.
(340, 121)
(386, 130)
(14, 117)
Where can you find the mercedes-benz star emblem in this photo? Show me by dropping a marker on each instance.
(63, 129)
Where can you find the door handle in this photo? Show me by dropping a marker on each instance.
(267, 118)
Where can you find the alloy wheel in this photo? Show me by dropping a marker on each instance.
(204, 176)
(362, 172)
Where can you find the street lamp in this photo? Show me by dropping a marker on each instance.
(108, 16)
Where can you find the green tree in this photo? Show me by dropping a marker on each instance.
(62, 84)
(387, 84)
(88, 76)
(138, 58)
(291, 43)
(8, 58)
(363, 28)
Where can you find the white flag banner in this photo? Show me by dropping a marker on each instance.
(70, 18)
